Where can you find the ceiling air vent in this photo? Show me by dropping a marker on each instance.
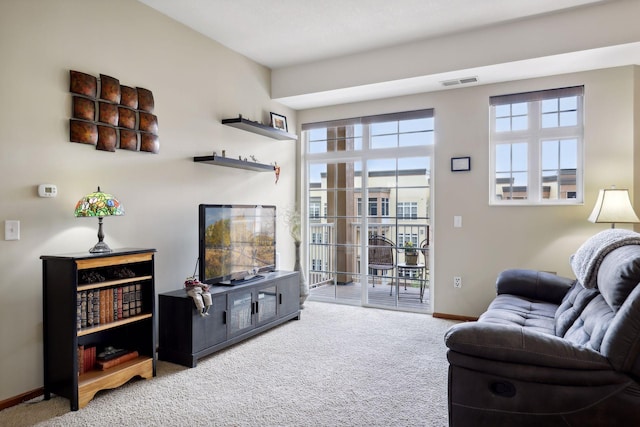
(463, 81)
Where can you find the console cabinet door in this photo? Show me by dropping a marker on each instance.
(267, 304)
(240, 309)
(289, 295)
(210, 330)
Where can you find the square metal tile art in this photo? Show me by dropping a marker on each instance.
(109, 115)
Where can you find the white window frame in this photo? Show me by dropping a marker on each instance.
(407, 210)
(534, 136)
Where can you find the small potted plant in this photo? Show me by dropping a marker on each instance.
(410, 253)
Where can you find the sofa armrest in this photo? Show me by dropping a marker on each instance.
(515, 344)
(533, 284)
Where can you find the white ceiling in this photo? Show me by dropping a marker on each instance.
(279, 33)
(285, 33)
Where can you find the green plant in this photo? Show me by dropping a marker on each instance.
(409, 249)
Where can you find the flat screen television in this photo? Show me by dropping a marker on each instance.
(236, 242)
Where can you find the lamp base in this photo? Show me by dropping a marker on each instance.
(100, 248)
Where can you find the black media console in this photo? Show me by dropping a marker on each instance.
(238, 312)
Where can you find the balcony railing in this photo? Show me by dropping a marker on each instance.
(323, 248)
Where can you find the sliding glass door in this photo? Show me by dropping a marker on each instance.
(368, 181)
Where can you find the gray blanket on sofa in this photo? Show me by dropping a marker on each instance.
(589, 256)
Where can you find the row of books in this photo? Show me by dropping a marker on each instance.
(100, 306)
(88, 361)
(86, 358)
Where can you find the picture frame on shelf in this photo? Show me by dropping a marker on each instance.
(279, 121)
(460, 164)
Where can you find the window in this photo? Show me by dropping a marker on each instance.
(536, 146)
(403, 238)
(386, 131)
(373, 206)
(407, 210)
(314, 207)
(384, 206)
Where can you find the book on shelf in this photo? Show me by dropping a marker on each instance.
(114, 304)
(125, 302)
(138, 293)
(103, 301)
(89, 307)
(96, 307)
(110, 305)
(82, 309)
(119, 305)
(106, 364)
(80, 359)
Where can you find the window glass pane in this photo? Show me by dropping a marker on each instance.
(411, 163)
(549, 105)
(357, 144)
(503, 124)
(570, 103)
(357, 135)
(317, 146)
(318, 134)
(384, 128)
(520, 123)
(378, 165)
(415, 139)
(386, 141)
(503, 110)
(519, 109)
(569, 154)
(503, 157)
(550, 120)
(416, 125)
(519, 159)
(520, 179)
(550, 155)
(569, 118)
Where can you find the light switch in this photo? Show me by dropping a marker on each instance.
(457, 221)
(12, 230)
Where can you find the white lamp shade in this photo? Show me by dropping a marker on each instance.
(613, 205)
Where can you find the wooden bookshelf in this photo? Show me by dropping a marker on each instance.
(65, 332)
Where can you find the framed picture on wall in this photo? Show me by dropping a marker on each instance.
(460, 164)
(279, 122)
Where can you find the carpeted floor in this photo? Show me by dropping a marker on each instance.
(338, 366)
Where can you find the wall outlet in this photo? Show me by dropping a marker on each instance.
(457, 282)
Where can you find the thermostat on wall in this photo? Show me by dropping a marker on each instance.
(47, 190)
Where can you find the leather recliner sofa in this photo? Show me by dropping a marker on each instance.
(554, 351)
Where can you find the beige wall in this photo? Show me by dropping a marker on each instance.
(195, 82)
(495, 237)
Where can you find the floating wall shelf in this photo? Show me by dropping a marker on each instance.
(259, 128)
(234, 163)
